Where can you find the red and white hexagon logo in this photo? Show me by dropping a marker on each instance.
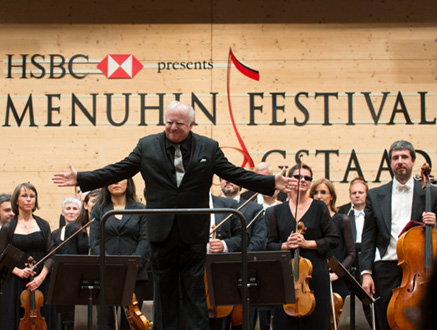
(120, 66)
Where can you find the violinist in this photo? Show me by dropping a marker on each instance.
(324, 190)
(30, 234)
(319, 237)
(388, 209)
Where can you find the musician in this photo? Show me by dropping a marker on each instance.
(177, 242)
(319, 238)
(124, 234)
(227, 238)
(6, 213)
(266, 201)
(79, 244)
(324, 190)
(30, 234)
(70, 211)
(257, 233)
(388, 209)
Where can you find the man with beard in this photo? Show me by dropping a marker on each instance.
(388, 209)
(6, 213)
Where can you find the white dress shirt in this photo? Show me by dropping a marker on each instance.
(401, 207)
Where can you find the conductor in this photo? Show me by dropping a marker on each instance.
(177, 166)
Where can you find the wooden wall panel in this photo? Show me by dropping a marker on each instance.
(292, 56)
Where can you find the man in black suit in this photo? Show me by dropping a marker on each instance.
(177, 166)
(227, 237)
(388, 210)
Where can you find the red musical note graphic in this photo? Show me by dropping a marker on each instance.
(252, 74)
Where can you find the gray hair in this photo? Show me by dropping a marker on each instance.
(188, 109)
(262, 166)
(71, 200)
(402, 145)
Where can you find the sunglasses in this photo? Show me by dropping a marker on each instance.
(321, 192)
(304, 177)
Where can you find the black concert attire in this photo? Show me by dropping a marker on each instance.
(321, 229)
(344, 252)
(37, 245)
(177, 242)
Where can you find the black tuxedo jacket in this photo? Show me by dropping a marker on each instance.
(346, 209)
(127, 236)
(149, 158)
(230, 231)
(377, 224)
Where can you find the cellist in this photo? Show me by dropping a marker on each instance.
(320, 237)
(388, 209)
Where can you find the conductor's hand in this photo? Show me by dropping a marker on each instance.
(368, 284)
(67, 179)
(282, 182)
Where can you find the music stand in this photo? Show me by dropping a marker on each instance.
(270, 279)
(8, 260)
(75, 280)
(354, 286)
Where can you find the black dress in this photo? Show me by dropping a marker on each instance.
(35, 245)
(319, 228)
(344, 252)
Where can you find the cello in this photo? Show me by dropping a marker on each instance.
(302, 269)
(415, 249)
(32, 301)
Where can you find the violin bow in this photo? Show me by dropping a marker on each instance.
(255, 219)
(298, 191)
(62, 244)
(230, 215)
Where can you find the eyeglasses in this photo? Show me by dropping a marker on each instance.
(304, 177)
(321, 192)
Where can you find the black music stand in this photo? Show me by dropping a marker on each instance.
(75, 280)
(354, 286)
(270, 278)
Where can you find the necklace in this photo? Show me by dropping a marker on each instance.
(23, 224)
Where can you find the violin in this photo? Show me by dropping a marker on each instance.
(302, 269)
(32, 301)
(136, 319)
(416, 249)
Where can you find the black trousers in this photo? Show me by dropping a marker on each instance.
(387, 275)
(178, 268)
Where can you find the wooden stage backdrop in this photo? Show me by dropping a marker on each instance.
(336, 80)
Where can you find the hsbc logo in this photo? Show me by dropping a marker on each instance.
(78, 66)
(120, 66)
